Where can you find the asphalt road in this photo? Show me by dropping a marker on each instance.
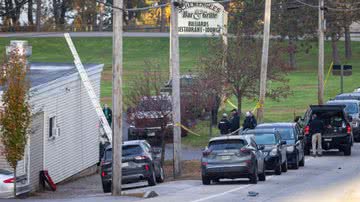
(332, 177)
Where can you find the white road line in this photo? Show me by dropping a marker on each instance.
(237, 189)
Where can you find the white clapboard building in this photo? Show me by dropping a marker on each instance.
(65, 127)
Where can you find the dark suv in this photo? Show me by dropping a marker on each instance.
(337, 133)
(140, 162)
(275, 148)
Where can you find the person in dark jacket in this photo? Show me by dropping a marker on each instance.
(224, 125)
(316, 129)
(108, 114)
(235, 120)
(249, 122)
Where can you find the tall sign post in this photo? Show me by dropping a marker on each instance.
(191, 17)
(117, 96)
(264, 60)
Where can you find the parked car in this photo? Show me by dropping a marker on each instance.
(7, 184)
(293, 135)
(275, 148)
(338, 131)
(352, 108)
(140, 162)
(348, 96)
(232, 157)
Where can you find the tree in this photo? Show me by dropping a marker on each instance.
(148, 105)
(241, 71)
(15, 119)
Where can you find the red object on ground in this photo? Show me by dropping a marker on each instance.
(45, 177)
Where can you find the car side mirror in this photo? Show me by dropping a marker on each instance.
(283, 142)
(261, 147)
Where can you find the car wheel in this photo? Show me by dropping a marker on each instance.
(296, 165)
(217, 180)
(205, 180)
(347, 150)
(152, 178)
(278, 170)
(284, 166)
(106, 187)
(262, 176)
(161, 176)
(302, 162)
(254, 176)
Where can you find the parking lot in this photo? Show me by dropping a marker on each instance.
(332, 177)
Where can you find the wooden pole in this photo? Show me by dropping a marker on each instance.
(175, 72)
(117, 97)
(321, 54)
(264, 60)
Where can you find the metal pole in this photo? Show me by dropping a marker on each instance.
(342, 79)
(117, 96)
(321, 54)
(174, 63)
(264, 60)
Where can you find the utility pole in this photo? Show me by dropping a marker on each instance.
(38, 15)
(264, 60)
(175, 73)
(117, 96)
(321, 54)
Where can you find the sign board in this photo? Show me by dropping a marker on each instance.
(202, 17)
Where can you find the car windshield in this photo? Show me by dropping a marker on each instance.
(128, 150)
(286, 133)
(351, 108)
(226, 144)
(265, 138)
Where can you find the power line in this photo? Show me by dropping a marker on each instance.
(330, 8)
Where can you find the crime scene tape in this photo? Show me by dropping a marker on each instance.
(257, 106)
(187, 129)
(328, 74)
(230, 103)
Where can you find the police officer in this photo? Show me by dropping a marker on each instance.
(224, 125)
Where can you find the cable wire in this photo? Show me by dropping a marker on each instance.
(329, 8)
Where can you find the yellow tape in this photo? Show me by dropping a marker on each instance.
(187, 129)
(328, 74)
(257, 106)
(230, 103)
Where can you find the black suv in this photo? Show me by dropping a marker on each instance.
(140, 162)
(293, 135)
(338, 131)
(275, 148)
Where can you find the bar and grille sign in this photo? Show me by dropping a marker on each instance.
(202, 17)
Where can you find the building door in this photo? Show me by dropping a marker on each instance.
(36, 150)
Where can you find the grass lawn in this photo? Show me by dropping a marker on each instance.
(303, 81)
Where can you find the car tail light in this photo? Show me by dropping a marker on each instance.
(245, 150)
(348, 129)
(206, 152)
(10, 180)
(147, 167)
(103, 174)
(140, 157)
(204, 163)
(307, 130)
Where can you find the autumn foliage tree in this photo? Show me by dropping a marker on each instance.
(16, 115)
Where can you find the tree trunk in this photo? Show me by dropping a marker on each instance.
(30, 12)
(348, 50)
(163, 144)
(38, 15)
(215, 111)
(335, 51)
(291, 51)
(15, 182)
(101, 16)
(163, 18)
(239, 100)
(210, 123)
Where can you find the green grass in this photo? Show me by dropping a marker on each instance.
(303, 81)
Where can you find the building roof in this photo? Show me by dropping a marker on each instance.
(43, 73)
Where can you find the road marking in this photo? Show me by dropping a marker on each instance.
(239, 188)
